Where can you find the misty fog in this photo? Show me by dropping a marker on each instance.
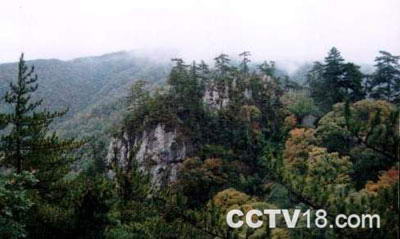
(288, 31)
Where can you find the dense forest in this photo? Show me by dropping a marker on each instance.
(150, 150)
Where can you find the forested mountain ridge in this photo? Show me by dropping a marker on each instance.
(214, 137)
(88, 86)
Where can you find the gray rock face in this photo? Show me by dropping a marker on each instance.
(217, 99)
(157, 152)
(212, 98)
(308, 121)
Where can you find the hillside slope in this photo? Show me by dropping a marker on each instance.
(90, 87)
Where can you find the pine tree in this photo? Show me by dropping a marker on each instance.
(333, 70)
(268, 68)
(335, 81)
(244, 65)
(223, 76)
(222, 63)
(352, 82)
(385, 82)
(27, 143)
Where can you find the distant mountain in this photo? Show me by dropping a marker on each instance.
(89, 86)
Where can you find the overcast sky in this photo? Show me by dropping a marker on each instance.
(293, 30)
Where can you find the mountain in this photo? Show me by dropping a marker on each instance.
(91, 87)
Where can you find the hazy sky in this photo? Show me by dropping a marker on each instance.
(293, 30)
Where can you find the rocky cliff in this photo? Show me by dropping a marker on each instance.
(157, 151)
(160, 150)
